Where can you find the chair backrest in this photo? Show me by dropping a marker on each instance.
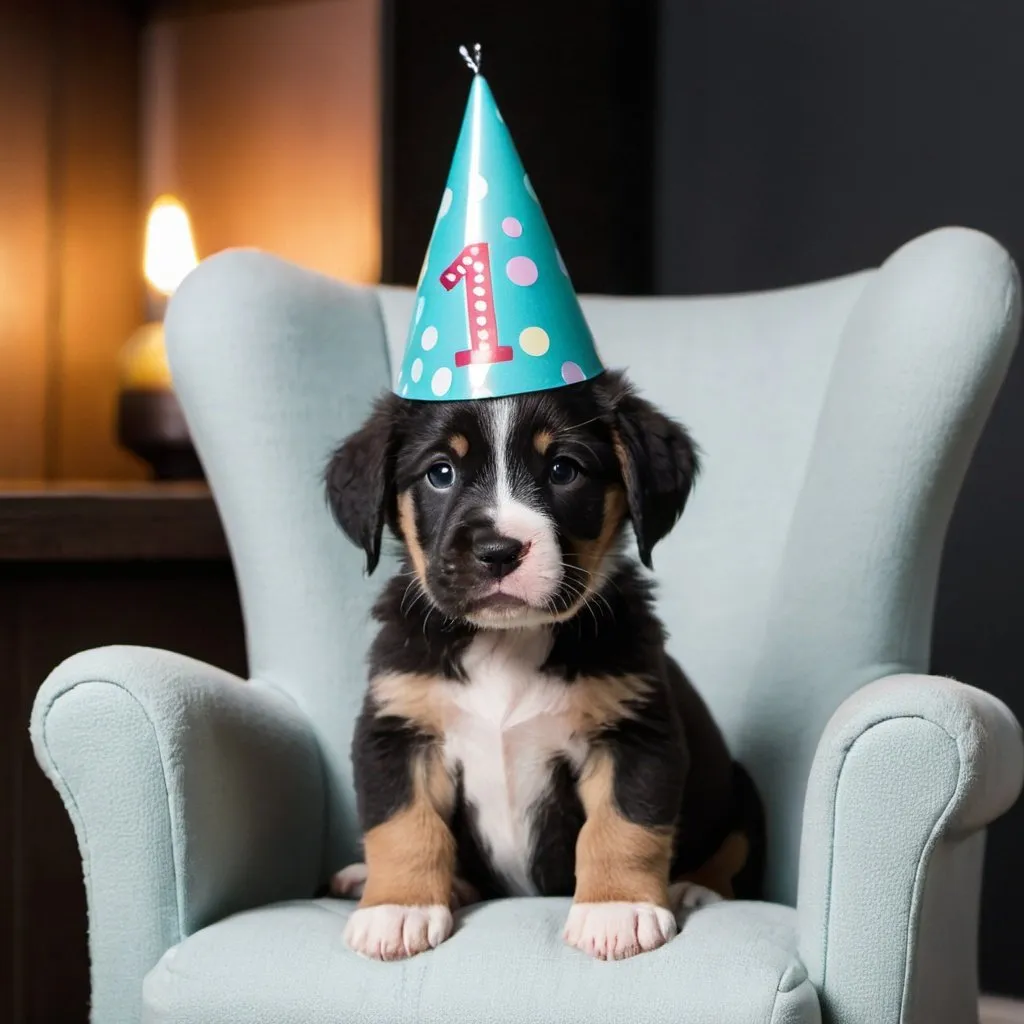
(836, 421)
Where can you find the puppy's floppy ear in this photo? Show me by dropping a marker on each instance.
(360, 479)
(658, 461)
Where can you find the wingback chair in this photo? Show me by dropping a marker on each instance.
(836, 422)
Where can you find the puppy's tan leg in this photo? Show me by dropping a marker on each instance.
(349, 882)
(621, 904)
(410, 861)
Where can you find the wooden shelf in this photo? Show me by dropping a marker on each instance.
(90, 522)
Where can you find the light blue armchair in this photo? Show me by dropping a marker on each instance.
(836, 420)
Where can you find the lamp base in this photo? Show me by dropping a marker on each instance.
(151, 425)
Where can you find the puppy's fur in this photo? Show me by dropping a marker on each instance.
(524, 731)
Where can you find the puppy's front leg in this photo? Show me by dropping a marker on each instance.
(623, 855)
(410, 862)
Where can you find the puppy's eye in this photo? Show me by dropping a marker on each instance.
(441, 475)
(563, 471)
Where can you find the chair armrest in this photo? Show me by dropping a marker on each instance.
(908, 773)
(193, 795)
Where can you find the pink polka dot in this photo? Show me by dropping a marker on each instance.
(571, 373)
(511, 227)
(521, 270)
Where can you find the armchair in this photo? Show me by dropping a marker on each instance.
(836, 419)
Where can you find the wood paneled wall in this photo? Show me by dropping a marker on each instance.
(266, 122)
(70, 290)
(25, 226)
(264, 118)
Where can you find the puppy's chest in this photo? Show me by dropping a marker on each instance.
(505, 727)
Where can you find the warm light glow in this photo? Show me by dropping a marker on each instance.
(170, 251)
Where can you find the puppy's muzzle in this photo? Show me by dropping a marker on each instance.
(497, 555)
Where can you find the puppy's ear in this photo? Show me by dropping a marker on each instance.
(360, 479)
(658, 461)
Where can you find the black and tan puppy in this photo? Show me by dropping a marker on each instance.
(524, 731)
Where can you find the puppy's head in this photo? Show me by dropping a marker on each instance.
(511, 509)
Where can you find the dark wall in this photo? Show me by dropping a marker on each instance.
(578, 96)
(804, 139)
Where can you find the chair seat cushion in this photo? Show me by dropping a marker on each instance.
(732, 963)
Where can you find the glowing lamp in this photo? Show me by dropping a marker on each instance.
(150, 421)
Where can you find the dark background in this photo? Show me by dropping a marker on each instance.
(726, 145)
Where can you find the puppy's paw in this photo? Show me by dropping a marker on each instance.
(687, 896)
(348, 883)
(391, 932)
(615, 931)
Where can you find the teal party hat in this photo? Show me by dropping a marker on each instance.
(495, 311)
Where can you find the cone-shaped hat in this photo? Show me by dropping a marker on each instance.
(495, 311)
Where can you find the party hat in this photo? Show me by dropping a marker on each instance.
(495, 311)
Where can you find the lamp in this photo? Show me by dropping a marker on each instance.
(150, 422)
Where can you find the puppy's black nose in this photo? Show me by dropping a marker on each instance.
(500, 554)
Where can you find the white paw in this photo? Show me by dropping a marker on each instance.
(691, 896)
(350, 882)
(615, 931)
(391, 932)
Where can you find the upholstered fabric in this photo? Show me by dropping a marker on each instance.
(836, 422)
(505, 964)
(193, 794)
(907, 775)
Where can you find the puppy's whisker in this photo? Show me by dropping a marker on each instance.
(401, 607)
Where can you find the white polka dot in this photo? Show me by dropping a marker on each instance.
(429, 338)
(478, 278)
(534, 341)
(461, 269)
(479, 291)
(477, 190)
(467, 259)
(441, 382)
(446, 203)
(529, 186)
(480, 305)
(483, 335)
(474, 250)
(511, 227)
(451, 277)
(416, 371)
(419, 309)
(481, 320)
(478, 266)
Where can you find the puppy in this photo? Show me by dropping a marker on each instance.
(524, 732)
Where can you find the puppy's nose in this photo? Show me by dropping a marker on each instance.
(500, 554)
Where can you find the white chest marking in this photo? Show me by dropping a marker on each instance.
(505, 726)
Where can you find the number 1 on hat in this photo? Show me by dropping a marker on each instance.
(472, 267)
